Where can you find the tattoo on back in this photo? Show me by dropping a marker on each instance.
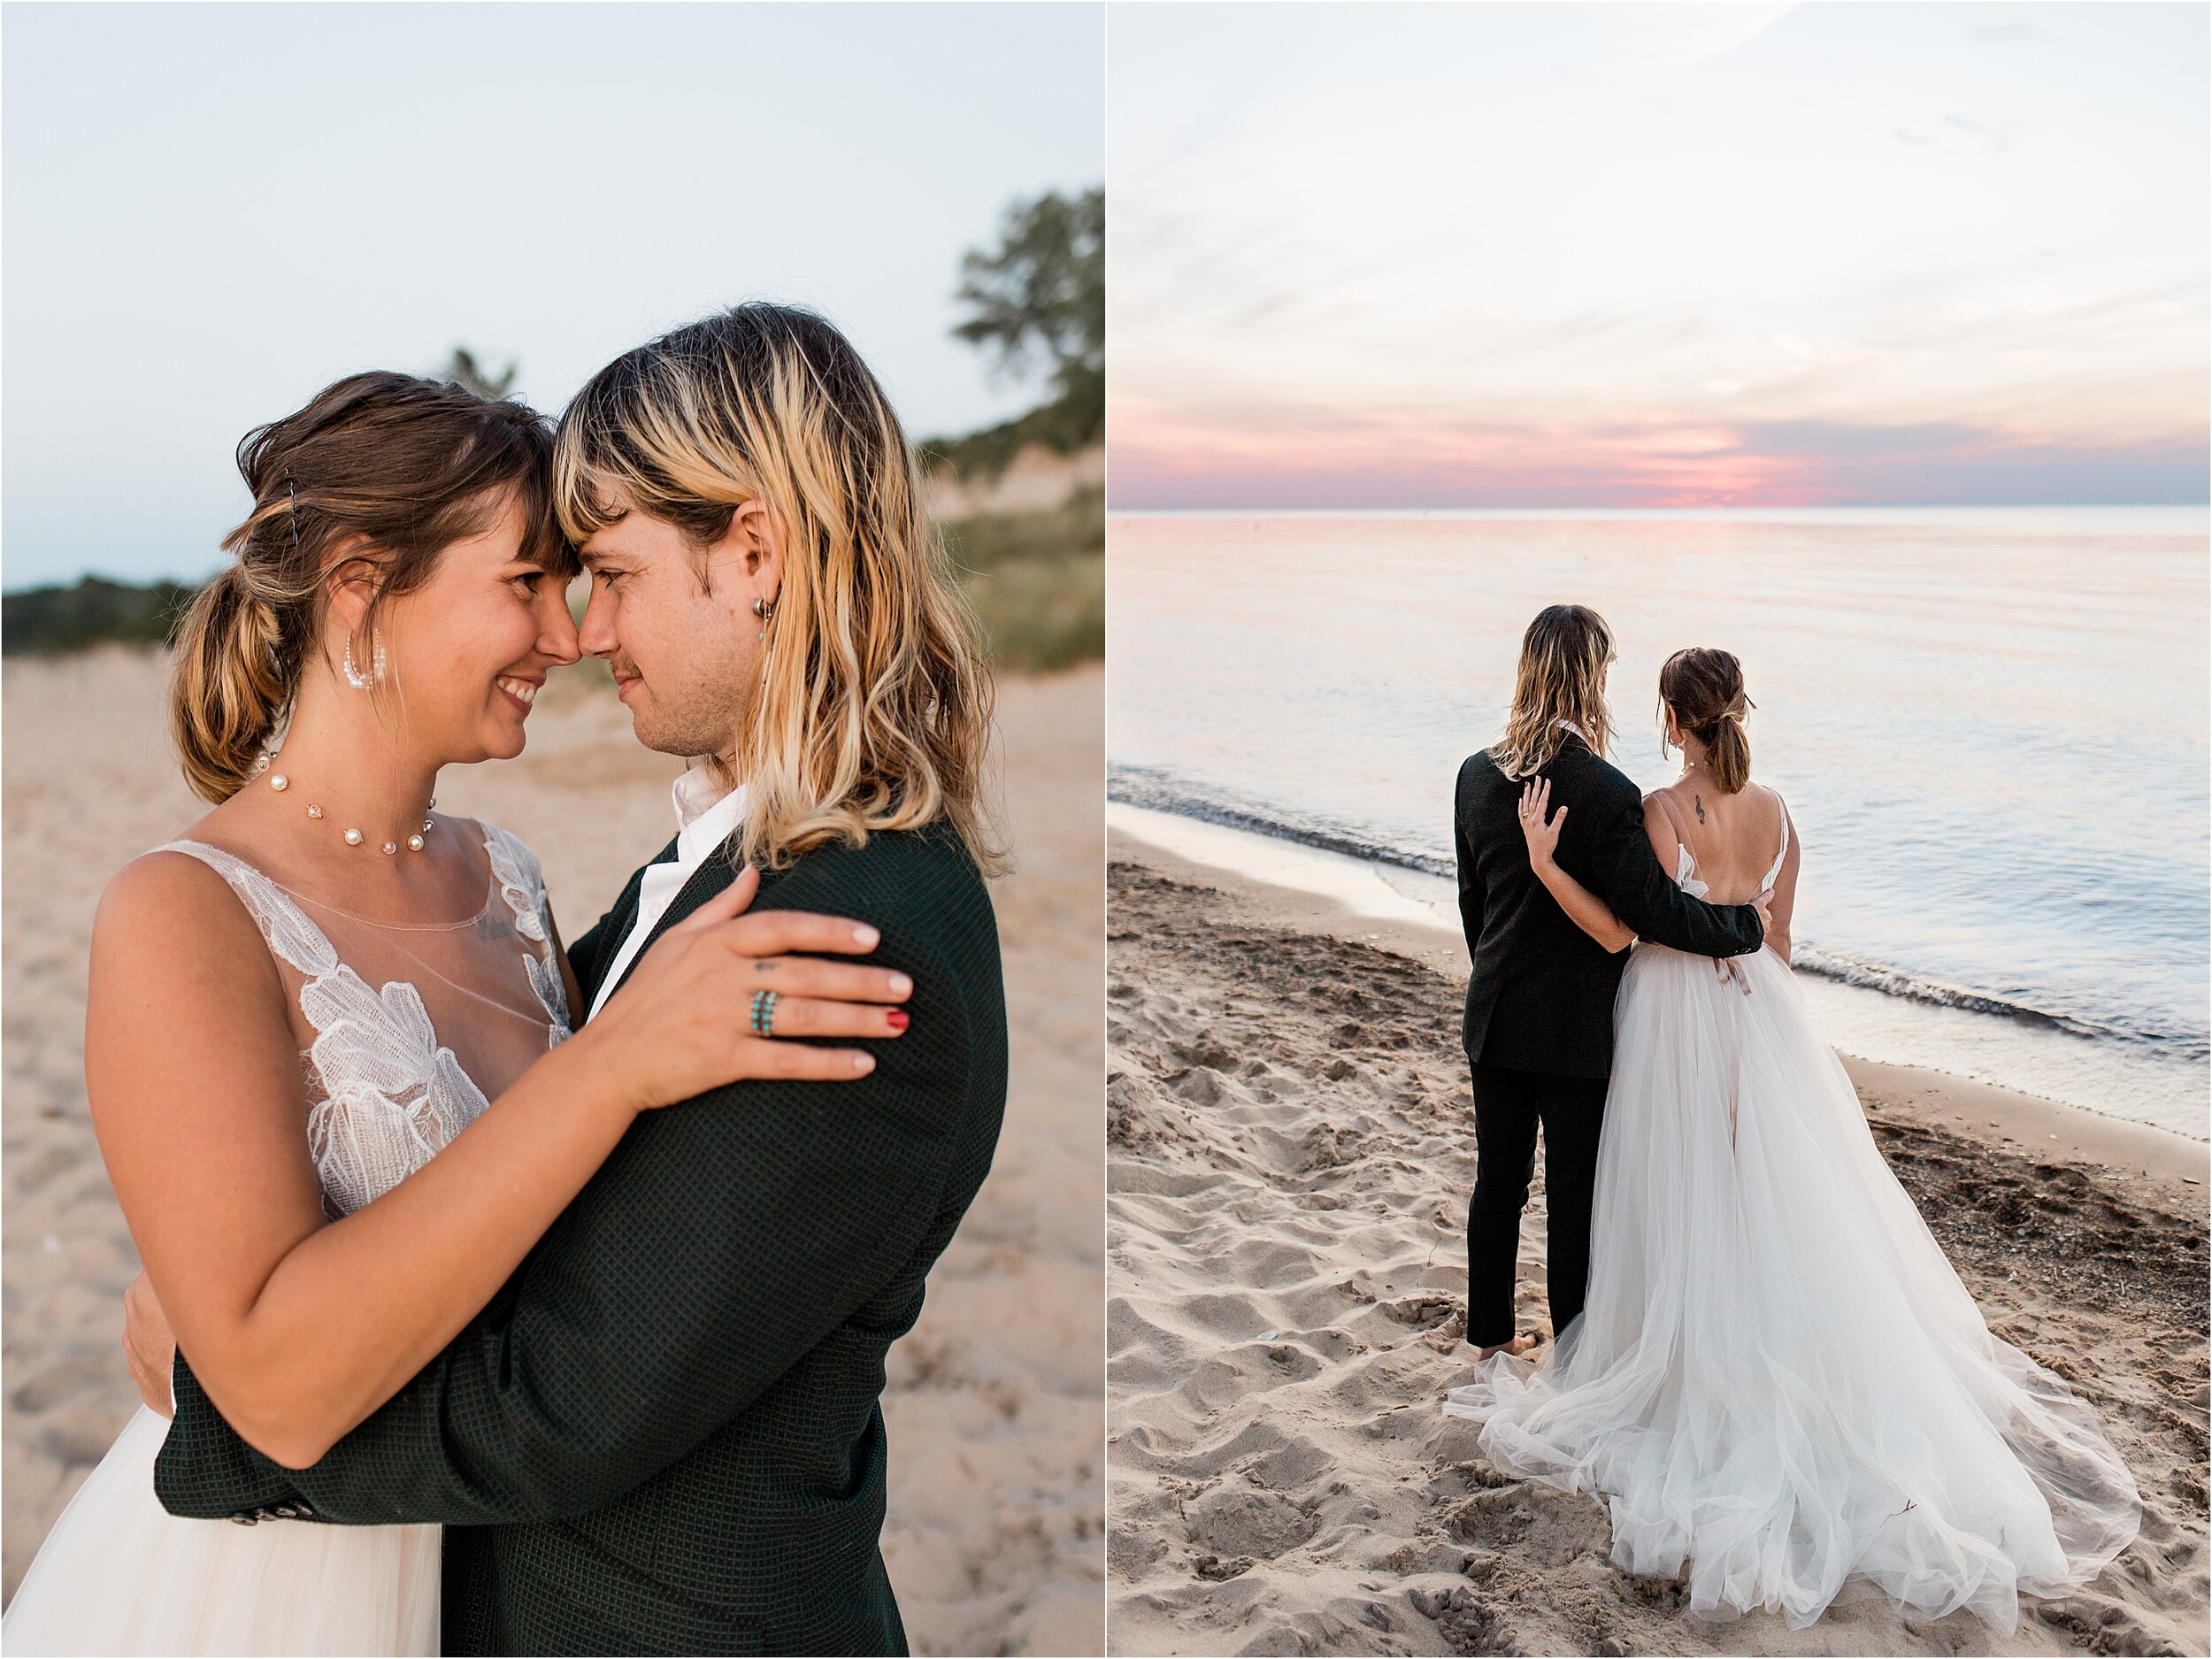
(1700, 800)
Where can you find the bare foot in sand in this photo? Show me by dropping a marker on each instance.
(1520, 1344)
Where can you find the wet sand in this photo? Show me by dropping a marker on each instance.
(994, 1408)
(1290, 1153)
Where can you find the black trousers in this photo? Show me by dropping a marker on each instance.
(1509, 1107)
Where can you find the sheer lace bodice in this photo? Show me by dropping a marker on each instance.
(388, 1085)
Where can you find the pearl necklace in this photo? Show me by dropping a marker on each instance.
(279, 782)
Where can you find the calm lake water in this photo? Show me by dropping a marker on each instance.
(1989, 723)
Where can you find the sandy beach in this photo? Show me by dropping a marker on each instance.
(994, 1408)
(1290, 1152)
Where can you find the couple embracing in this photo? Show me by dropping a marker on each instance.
(588, 1254)
(1762, 1361)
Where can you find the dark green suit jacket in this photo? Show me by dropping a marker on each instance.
(662, 1435)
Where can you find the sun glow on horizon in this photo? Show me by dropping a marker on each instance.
(1505, 255)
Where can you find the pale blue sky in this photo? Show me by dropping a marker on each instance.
(1530, 255)
(211, 211)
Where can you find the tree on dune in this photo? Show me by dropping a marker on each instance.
(1039, 298)
(464, 370)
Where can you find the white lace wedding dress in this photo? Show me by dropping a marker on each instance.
(1779, 1385)
(391, 1075)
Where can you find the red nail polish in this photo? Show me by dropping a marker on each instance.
(896, 1018)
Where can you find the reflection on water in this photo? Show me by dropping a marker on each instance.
(1989, 723)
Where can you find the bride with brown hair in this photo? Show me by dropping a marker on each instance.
(328, 1044)
(1777, 1385)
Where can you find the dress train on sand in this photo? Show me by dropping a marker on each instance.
(1779, 1385)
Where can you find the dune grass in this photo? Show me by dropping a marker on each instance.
(1037, 581)
(46, 621)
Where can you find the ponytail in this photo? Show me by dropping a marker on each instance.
(382, 470)
(231, 686)
(1705, 689)
(1728, 751)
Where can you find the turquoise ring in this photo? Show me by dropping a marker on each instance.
(763, 1013)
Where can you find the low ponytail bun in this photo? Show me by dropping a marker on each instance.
(1705, 689)
(378, 475)
(231, 684)
(1728, 751)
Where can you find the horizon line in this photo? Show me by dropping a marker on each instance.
(1585, 510)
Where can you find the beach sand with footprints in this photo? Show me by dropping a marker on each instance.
(994, 1410)
(1290, 1153)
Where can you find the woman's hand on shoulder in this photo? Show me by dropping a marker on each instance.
(1540, 832)
(719, 996)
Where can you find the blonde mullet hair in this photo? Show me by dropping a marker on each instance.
(874, 712)
(1561, 677)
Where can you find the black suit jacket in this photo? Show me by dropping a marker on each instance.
(662, 1435)
(1540, 994)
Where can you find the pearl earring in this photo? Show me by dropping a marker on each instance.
(355, 678)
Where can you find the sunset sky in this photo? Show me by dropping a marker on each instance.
(212, 211)
(1492, 256)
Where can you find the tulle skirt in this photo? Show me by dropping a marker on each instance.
(1779, 1385)
(119, 1574)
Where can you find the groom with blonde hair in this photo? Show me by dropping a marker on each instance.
(663, 1436)
(1539, 1022)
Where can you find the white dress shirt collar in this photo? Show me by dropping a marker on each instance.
(705, 815)
(706, 818)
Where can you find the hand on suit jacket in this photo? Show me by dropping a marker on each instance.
(722, 1241)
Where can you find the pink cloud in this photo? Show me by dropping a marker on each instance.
(1290, 458)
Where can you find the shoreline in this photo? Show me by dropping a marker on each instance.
(1290, 1151)
(1348, 898)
